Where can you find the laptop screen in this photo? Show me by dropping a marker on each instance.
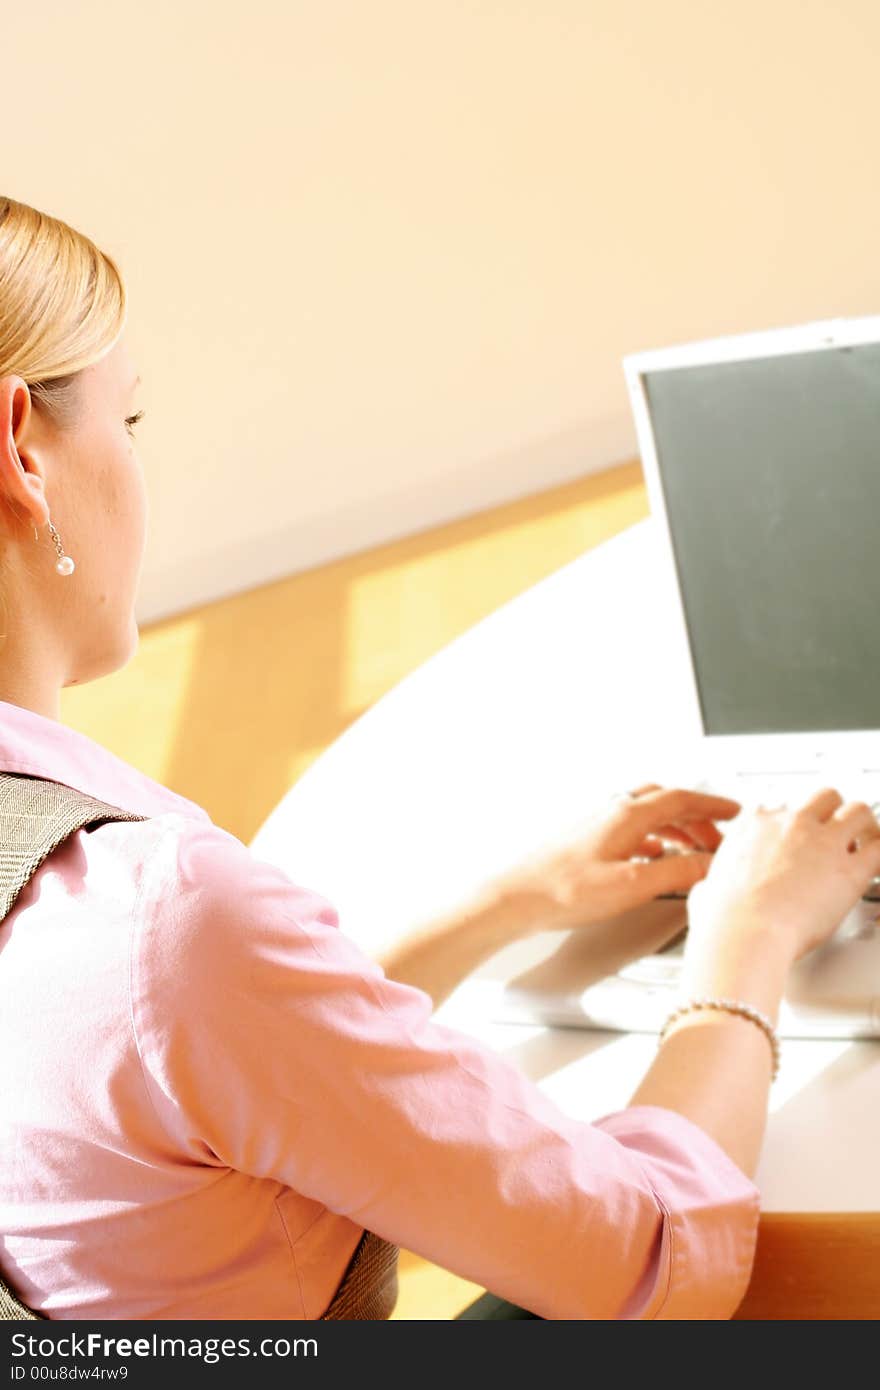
(771, 474)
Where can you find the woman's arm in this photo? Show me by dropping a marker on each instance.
(781, 884)
(271, 1045)
(592, 879)
(439, 955)
(714, 1067)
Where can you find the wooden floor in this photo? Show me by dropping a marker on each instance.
(230, 703)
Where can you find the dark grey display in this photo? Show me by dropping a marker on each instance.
(771, 474)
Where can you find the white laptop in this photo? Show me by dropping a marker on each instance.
(761, 455)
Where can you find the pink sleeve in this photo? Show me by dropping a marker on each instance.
(271, 1044)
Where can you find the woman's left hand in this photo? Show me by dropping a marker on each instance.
(618, 860)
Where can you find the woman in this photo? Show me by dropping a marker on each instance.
(210, 1092)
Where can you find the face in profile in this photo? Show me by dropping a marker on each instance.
(87, 479)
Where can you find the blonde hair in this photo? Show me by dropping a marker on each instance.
(63, 307)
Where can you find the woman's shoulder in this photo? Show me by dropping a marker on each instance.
(196, 858)
(209, 904)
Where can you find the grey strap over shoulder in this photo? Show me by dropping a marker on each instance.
(37, 815)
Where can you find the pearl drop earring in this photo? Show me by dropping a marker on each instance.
(64, 563)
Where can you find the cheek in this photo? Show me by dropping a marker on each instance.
(143, 502)
(124, 508)
(126, 490)
(140, 519)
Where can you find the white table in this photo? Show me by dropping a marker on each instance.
(564, 695)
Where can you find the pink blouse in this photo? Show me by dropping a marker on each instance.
(209, 1091)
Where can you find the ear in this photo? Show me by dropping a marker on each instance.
(22, 481)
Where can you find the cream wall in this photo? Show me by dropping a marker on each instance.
(385, 256)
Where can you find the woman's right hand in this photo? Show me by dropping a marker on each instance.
(794, 873)
(780, 883)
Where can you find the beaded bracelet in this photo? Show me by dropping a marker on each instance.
(733, 1006)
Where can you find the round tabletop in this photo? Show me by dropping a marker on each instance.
(573, 690)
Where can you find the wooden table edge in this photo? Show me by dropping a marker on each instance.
(815, 1266)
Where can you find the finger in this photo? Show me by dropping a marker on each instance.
(674, 873)
(680, 803)
(648, 787)
(820, 805)
(695, 835)
(870, 855)
(636, 819)
(649, 848)
(857, 821)
(703, 834)
(677, 835)
(865, 863)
